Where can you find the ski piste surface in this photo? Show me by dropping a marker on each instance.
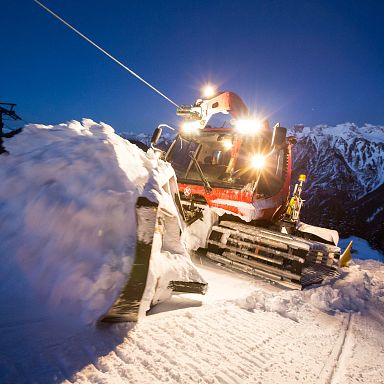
(242, 331)
(224, 339)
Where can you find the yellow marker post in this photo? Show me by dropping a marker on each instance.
(346, 257)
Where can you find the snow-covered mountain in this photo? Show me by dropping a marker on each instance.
(344, 165)
(346, 152)
(143, 140)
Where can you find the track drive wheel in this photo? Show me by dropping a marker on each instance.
(215, 236)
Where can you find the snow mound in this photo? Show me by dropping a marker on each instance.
(359, 289)
(285, 304)
(67, 214)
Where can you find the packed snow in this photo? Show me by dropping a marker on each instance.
(67, 236)
(248, 331)
(67, 214)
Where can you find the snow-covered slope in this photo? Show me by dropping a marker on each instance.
(68, 216)
(242, 332)
(345, 154)
(345, 169)
(66, 236)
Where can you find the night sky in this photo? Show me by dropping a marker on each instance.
(305, 62)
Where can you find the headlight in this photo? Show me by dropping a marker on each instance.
(190, 126)
(227, 144)
(248, 127)
(208, 91)
(258, 161)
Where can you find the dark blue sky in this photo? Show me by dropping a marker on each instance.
(299, 62)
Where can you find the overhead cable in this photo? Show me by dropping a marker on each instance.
(105, 52)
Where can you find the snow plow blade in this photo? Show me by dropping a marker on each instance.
(136, 296)
(127, 306)
(290, 261)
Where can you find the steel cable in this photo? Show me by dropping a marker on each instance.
(105, 52)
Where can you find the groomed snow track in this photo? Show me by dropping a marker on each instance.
(291, 261)
(332, 365)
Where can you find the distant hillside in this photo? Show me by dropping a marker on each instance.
(345, 172)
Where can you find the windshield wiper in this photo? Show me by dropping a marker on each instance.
(207, 186)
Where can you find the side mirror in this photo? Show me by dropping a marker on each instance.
(279, 135)
(156, 135)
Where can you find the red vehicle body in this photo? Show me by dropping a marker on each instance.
(224, 156)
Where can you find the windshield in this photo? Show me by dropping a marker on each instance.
(220, 120)
(226, 160)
